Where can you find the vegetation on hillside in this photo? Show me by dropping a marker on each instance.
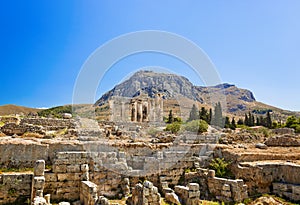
(55, 111)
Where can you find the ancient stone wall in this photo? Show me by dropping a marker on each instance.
(144, 194)
(259, 176)
(88, 193)
(227, 189)
(289, 191)
(15, 188)
(50, 123)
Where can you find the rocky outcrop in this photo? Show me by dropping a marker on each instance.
(172, 86)
(283, 141)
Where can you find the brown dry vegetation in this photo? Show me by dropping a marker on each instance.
(14, 109)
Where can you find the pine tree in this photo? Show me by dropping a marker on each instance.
(194, 113)
(204, 114)
(170, 118)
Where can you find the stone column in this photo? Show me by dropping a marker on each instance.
(140, 112)
(38, 180)
(123, 117)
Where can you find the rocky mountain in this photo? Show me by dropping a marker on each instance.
(173, 86)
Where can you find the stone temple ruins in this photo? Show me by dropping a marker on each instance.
(137, 109)
(125, 160)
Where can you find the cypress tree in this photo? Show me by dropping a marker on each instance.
(170, 118)
(194, 114)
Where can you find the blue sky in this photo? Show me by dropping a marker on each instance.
(253, 43)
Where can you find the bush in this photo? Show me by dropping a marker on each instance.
(221, 168)
(198, 126)
(174, 127)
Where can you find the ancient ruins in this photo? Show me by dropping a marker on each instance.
(81, 161)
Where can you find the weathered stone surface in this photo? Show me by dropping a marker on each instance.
(172, 198)
(283, 141)
(261, 146)
(39, 168)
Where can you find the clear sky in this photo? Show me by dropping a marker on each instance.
(254, 44)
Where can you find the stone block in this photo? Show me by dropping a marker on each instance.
(39, 168)
(148, 184)
(226, 187)
(122, 155)
(194, 194)
(193, 186)
(146, 191)
(59, 168)
(50, 177)
(211, 173)
(73, 168)
(39, 182)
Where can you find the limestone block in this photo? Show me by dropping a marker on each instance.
(50, 177)
(227, 193)
(59, 168)
(164, 184)
(193, 186)
(194, 194)
(148, 184)
(39, 182)
(47, 198)
(84, 168)
(154, 190)
(226, 187)
(296, 189)
(211, 173)
(64, 203)
(39, 201)
(39, 168)
(122, 155)
(73, 168)
(146, 191)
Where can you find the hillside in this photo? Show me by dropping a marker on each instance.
(179, 88)
(15, 109)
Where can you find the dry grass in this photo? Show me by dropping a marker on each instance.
(14, 109)
(32, 135)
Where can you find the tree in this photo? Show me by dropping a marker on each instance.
(240, 122)
(246, 121)
(218, 116)
(290, 121)
(194, 113)
(210, 116)
(170, 118)
(203, 126)
(227, 122)
(204, 115)
(233, 124)
(174, 127)
(268, 120)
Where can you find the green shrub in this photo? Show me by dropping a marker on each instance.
(221, 168)
(198, 126)
(174, 127)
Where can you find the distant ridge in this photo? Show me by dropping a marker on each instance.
(15, 109)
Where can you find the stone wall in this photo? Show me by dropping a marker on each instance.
(144, 194)
(189, 195)
(88, 193)
(226, 190)
(15, 188)
(50, 123)
(260, 175)
(289, 191)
